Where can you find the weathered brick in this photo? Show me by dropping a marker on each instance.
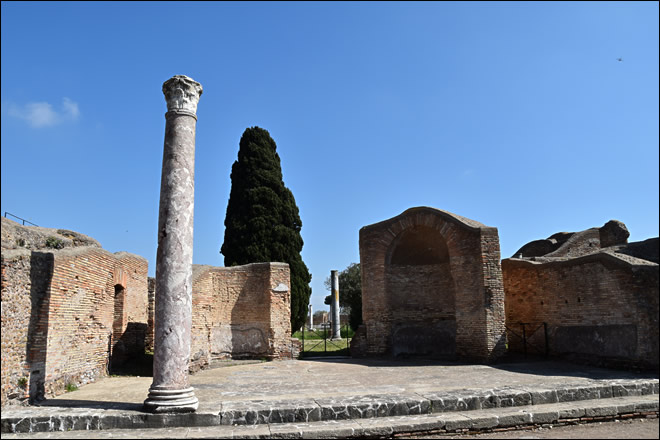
(431, 284)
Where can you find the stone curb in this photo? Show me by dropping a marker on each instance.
(365, 407)
(391, 405)
(379, 427)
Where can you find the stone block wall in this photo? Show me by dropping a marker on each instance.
(240, 312)
(600, 308)
(431, 285)
(60, 320)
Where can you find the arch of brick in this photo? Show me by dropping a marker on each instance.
(431, 285)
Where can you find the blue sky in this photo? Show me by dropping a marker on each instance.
(517, 115)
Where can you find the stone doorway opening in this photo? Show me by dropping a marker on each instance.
(117, 352)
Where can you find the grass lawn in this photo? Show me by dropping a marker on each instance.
(316, 346)
(329, 348)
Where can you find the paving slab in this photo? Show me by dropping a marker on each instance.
(311, 391)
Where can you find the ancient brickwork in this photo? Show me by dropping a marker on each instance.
(85, 319)
(597, 308)
(431, 285)
(598, 299)
(151, 293)
(25, 285)
(241, 312)
(65, 313)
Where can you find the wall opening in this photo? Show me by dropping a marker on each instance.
(118, 355)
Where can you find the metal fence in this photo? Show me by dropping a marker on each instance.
(532, 340)
(22, 219)
(320, 343)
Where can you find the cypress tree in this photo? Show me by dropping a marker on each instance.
(262, 222)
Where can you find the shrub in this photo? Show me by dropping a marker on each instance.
(54, 243)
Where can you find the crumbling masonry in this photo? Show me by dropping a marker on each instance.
(431, 285)
(70, 314)
(596, 293)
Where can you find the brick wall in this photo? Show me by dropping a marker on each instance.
(599, 308)
(240, 312)
(25, 285)
(431, 284)
(67, 299)
(151, 292)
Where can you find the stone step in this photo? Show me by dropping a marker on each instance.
(402, 404)
(95, 416)
(378, 427)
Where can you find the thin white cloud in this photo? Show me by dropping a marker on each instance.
(42, 114)
(70, 108)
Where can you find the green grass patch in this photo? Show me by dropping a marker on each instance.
(325, 348)
(319, 343)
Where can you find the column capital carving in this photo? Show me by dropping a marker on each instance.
(182, 93)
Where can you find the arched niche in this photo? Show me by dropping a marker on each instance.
(421, 294)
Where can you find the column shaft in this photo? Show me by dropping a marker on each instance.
(170, 390)
(336, 327)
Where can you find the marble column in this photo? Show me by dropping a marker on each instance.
(311, 318)
(334, 283)
(170, 390)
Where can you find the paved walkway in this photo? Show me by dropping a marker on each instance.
(272, 396)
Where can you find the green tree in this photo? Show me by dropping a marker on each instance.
(262, 222)
(350, 293)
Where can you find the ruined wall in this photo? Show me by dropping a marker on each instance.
(86, 319)
(151, 294)
(61, 322)
(597, 294)
(600, 308)
(25, 285)
(431, 285)
(240, 312)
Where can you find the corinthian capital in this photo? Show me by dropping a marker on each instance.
(182, 93)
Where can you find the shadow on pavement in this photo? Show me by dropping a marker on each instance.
(531, 365)
(90, 404)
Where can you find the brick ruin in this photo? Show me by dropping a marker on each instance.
(431, 285)
(597, 294)
(241, 312)
(71, 311)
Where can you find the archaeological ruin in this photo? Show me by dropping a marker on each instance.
(431, 285)
(73, 311)
(70, 310)
(588, 296)
(241, 312)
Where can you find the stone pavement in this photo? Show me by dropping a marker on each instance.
(343, 398)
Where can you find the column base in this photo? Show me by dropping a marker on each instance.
(171, 401)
